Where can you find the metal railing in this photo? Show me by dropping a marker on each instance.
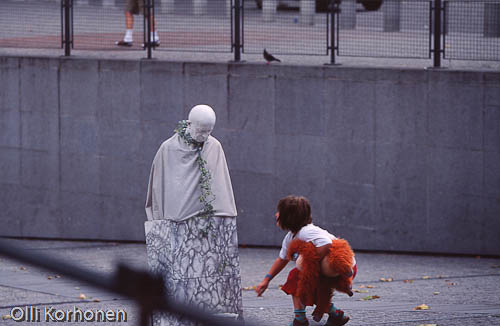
(425, 29)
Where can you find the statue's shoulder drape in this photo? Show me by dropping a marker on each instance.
(174, 181)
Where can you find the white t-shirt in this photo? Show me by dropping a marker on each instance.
(308, 233)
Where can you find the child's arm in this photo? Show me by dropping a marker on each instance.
(323, 250)
(276, 268)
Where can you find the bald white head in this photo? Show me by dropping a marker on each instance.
(201, 122)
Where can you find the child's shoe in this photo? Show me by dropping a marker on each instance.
(300, 318)
(337, 320)
(297, 322)
(317, 316)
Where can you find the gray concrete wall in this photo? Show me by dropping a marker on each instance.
(391, 159)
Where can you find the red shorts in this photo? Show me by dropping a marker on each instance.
(290, 286)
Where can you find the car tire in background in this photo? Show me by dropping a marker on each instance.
(371, 5)
(322, 5)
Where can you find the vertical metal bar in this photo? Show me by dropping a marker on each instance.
(237, 32)
(431, 28)
(72, 20)
(332, 31)
(147, 18)
(437, 33)
(328, 37)
(445, 27)
(153, 22)
(62, 23)
(243, 26)
(231, 16)
(144, 24)
(337, 12)
(67, 31)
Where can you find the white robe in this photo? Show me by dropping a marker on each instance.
(174, 189)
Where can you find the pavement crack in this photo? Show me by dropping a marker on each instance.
(30, 290)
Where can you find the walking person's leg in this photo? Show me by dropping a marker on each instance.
(132, 7)
(154, 34)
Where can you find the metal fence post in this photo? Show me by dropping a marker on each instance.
(67, 21)
(437, 33)
(237, 31)
(147, 27)
(334, 9)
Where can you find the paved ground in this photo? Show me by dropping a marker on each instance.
(457, 290)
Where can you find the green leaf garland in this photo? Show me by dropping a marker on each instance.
(206, 197)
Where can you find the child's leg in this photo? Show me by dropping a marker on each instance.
(299, 311)
(297, 303)
(336, 316)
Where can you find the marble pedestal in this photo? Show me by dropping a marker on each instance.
(198, 259)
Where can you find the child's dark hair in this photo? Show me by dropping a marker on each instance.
(294, 213)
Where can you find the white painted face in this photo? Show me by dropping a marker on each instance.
(200, 131)
(201, 122)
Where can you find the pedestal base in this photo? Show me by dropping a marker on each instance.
(198, 259)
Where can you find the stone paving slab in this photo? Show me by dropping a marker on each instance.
(458, 290)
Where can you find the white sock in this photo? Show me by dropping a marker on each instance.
(128, 35)
(155, 37)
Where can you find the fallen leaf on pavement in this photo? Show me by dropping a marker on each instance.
(370, 286)
(426, 277)
(383, 279)
(249, 288)
(77, 288)
(96, 300)
(370, 297)
(422, 307)
(408, 281)
(22, 268)
(83, 296)
(451, 283)
(5, 317)
(49, 277)
(436, 293)
(360, 291)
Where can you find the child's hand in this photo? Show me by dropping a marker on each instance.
(262, 287)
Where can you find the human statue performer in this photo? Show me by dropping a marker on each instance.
(191, 228)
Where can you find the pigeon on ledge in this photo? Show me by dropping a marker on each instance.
(269, 57)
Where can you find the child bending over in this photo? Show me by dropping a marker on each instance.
(317, 254)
